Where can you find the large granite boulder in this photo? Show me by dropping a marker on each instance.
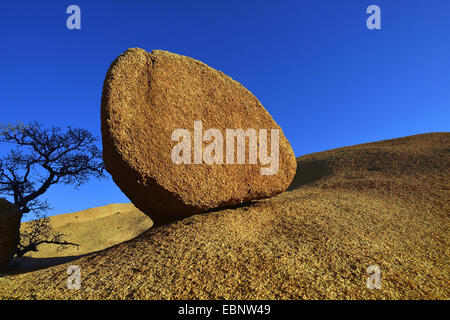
(171, 140)
(9, 230)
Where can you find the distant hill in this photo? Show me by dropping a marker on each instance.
(93, 230)
(385, 203)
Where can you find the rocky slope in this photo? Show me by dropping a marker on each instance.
(385, 203)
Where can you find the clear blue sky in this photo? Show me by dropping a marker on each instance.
(326, 79)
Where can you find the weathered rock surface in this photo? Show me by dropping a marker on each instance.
(146, 97)
(315, 242)
(9, 230)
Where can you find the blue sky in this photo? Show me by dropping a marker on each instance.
(326, 79)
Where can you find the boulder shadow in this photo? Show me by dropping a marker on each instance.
(29, 264)
(310, 171)
(234, 206)
(162, 223)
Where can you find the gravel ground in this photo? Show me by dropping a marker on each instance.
(385, 203)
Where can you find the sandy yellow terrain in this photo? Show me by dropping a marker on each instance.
(92, 229)
(385, 203)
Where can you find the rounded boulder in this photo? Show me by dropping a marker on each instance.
(9, 230)
(180, 137)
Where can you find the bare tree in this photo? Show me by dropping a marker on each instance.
(40, 158)
(37, 232)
